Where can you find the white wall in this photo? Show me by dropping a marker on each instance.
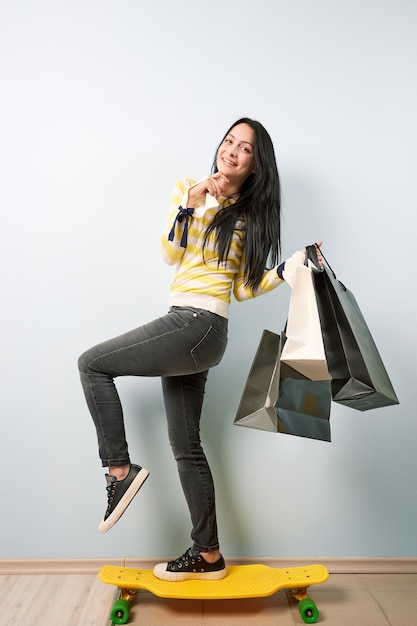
(103, 106)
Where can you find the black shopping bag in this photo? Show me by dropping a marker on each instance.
(277, 398)
(359, 377)
(257, 405)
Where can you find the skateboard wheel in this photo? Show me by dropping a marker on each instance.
(120, 612)
(308, 611)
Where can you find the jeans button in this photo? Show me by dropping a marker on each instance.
(194, 314)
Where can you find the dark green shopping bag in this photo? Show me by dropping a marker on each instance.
(276, 398)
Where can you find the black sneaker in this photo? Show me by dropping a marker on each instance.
(191, 566)
(120, 494)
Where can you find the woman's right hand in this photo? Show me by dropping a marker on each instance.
(213, 185)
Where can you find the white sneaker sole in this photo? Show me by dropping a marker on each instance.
(127, 498)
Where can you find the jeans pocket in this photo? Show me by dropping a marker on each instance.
(209, 350)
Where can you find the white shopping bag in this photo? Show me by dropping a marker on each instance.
(304, 350)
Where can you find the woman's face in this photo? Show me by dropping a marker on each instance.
(235, 156)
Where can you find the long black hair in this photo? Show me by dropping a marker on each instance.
(258, 206)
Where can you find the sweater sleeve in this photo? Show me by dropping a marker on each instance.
(270, 279)
(171, 250)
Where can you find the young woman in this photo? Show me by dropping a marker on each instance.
(222, 232)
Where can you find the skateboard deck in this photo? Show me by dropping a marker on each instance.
(242, 581)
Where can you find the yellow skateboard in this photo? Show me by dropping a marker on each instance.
(242, 581)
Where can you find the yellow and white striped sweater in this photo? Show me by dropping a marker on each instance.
(200, 282)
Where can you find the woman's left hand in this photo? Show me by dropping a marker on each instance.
(319, 254)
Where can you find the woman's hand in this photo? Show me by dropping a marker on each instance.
(213, 185)
(319, 254)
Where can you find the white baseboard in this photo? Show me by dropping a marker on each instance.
(335, 565)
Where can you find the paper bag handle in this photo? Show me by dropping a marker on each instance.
(311, 254)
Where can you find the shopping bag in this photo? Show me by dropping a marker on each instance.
(279, 399)
(303, 405)
(257, 405)
(359, 377)
(303, 349)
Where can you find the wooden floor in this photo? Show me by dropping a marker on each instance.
(82, 600)
(54, 600)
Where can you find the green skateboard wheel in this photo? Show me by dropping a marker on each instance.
(120, 612)
(308, 611)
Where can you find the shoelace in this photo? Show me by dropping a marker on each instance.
(184, 560)
(111, 489)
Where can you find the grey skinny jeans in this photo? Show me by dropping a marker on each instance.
(180, 347)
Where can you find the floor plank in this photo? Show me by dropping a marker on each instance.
(54, 600)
